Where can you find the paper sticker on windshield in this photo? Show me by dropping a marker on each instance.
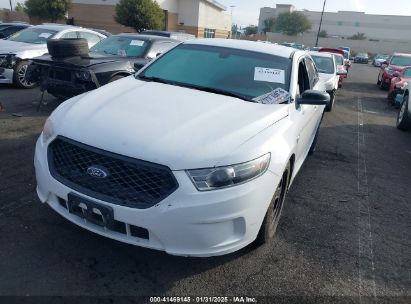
(274, 97)
(137, 42)
(45, 35)
(269, 75)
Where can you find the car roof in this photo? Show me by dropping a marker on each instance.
(267, 48)
(16, 23)
(402, 54)
(146, 37)
(59, 27)
(318, 54)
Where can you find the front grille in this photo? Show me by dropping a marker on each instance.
(128, 182)
(60, 74)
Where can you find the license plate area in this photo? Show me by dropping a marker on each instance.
(93, 212)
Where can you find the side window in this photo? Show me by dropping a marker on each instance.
(90, 37)
(69, 35)
(312, 72)
(303, 79)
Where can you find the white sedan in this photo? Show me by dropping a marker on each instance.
(193, 155)
(329, 74)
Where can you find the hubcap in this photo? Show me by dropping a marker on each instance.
(277, 203)
(22, 76)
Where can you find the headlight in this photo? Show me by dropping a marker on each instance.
(48, 130)
(7, 60)
(83, 74)
(389, 71)
(222, 177)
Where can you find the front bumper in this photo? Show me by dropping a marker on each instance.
(186, 223)
(6, 75)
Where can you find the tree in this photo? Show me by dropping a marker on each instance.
(250, 30)
(293, 23)
(20, 7)
(323, 34)
(47, 10)
(358, 36)
(140, 14)
(269, 25)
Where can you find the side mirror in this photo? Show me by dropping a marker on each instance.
(396, 74)
(312, 97)
(342, 73)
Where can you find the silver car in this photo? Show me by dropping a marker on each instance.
(17, 50)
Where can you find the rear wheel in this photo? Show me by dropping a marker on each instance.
(329, 107)
(19, 77)
(404, 117)
(272, 217)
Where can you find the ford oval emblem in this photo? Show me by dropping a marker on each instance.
(97, 171)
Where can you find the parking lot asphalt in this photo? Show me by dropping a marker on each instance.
(345, 229)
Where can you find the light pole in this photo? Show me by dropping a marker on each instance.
(11, 6)
(232, 21)
(321, 21)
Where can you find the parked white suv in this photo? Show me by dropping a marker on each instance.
(193, 155)
(329, 74)
(16, 51)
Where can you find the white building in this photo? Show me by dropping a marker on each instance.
(346, 23)
(203, 18)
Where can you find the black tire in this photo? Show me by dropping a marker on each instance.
(273, 214)
(19, 76)
(116, 77)
(382, 83)
(314, 143)
(404, 116)
(329, 107)
(68, 47)
(378, 80)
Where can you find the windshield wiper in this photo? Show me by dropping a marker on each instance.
(221, 92)
(158, 79)
(196, 87)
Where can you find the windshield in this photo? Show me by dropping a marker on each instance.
(232, 71)
(362, 55)
(324, 64)
(121, 46)
(339, 60)
(33, 35)
(401, 60)
(384, 57)
(407, 73)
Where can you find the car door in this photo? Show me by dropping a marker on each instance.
(308, 116)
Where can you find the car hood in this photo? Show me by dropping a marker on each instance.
(396, 68)
(170, 125)
(21, 49)
(78, 61)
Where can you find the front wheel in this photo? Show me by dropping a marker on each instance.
(404, 117)
(272, 217)
(19, 77)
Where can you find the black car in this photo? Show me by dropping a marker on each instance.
(8, 29)
(113, 58)
(361, 58)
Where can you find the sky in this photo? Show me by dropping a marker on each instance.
(246, 12)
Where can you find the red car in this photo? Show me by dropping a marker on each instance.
(344, 53)
(395, 63)
(339, 60)
(398, 82)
